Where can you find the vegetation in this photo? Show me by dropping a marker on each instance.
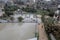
(51, 12)
(31, 10)
(4, 15)
(11, 18)
(48, 22)
(37, 35)
(48, 12)
(42, 12)
(20, 19)
(10, 9)
(52, 27)
(56, 31)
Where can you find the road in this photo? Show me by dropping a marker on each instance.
(17, 31)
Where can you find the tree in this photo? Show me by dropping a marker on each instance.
(51, 12)
(12, 18)
(9, 9)
(20, 19)
(28, 9)
(4, 15)
(49, 22)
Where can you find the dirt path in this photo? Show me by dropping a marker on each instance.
(42, 33)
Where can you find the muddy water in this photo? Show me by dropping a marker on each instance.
(17, 31)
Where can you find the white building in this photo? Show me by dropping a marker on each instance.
(57, 13)
(10, 2)
(2, 3)
(1, 12)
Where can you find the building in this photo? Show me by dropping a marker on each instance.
(2, 3)
(26, 1)
(10, 2)
(47, 4)
(1, 12)
(57, 13)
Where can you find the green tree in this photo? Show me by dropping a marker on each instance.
(28, 9)
(10, 9)
(20, 19)
(51, 12)
(12, 18)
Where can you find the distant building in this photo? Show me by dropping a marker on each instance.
(1, 12)
(3, 21)
(10, 2)
(2, 3)
(57, 13)
(47, 4)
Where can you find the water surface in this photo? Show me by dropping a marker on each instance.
(17, 31)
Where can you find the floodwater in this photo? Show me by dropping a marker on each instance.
(52, 37)
(17, 31)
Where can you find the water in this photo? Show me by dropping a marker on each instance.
(17, 31)
(52, 37)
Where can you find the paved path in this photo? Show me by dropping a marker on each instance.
(42, 33)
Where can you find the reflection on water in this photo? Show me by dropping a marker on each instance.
(17, 31)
